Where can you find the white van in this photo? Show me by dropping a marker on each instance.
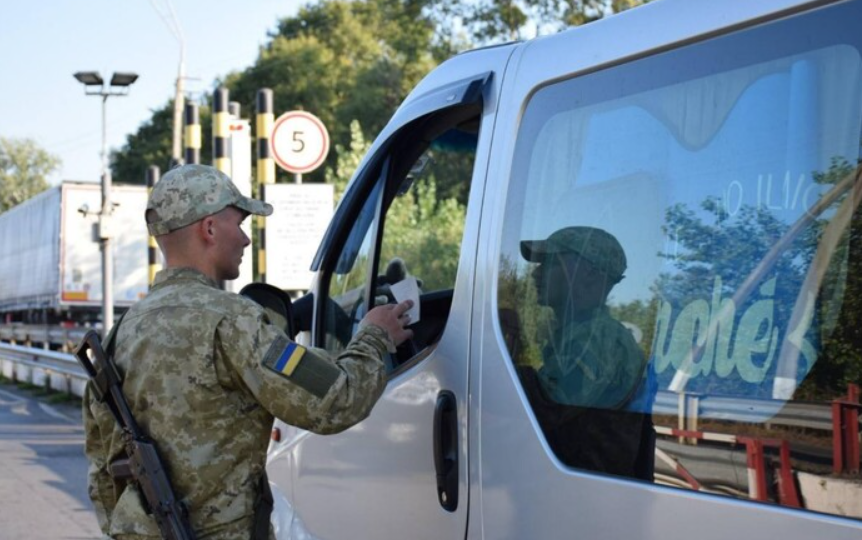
(697, 164)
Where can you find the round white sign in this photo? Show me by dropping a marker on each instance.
(299, 142)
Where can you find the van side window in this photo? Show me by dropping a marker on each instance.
(680, 279)
(409, 228)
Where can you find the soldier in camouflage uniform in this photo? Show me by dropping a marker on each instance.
(205, 373)
(592, 366)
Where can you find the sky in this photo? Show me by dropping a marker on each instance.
(43, 43)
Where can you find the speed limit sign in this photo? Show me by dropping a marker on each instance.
(299, 142)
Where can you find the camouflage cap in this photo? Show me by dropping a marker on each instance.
(192, 192)
(595, 245)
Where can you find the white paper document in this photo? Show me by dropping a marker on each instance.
(408, 289)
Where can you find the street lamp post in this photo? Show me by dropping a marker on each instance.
(94, 85)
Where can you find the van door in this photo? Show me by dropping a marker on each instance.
(667, 311)
(403, 472)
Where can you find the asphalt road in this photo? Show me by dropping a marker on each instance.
(43, 471)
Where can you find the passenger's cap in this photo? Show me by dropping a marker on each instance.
(595, 245)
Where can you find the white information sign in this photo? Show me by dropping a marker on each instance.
(301, 213)
(299, 142)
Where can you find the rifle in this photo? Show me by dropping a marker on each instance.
(143, 464)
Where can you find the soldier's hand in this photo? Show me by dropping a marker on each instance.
(392, 318)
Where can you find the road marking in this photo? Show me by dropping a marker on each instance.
(51, 411)
(21, 408)
(14, 400)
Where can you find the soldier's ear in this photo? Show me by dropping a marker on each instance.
(206, 229)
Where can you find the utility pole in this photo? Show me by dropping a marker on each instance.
(94, 85)
(173, 25)
(179, 106)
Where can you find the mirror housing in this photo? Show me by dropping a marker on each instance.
(277, 304)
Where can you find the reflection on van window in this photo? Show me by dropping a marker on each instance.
(681, 271)
(591, 366)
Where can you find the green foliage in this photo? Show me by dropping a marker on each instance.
(423, 227)
(507, 20)
(348, 160)
(524, 322)
(343, 61)
(151, 145)
(347, 60)
(839, 305)
(24, 167)
(426, 231)
(715, 244)
(641, 314)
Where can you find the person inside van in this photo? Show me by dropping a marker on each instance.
(592, 368)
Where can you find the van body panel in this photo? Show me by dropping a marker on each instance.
(510, 503)
(391, 491)
(377, 480)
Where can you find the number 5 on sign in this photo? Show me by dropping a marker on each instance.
(299, 142)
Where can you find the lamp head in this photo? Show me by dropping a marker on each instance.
(89, 78)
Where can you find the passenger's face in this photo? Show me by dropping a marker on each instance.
(569, 282)
(231, 241)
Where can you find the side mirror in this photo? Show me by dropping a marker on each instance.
(277, 304)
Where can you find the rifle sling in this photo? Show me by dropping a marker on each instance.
(101, 379)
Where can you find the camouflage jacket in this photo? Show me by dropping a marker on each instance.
(592, 363)
(205, 374)
(583, 397)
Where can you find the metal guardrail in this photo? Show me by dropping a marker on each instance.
(792, 414)
(41, 333)
(59, 371)
(775, 412)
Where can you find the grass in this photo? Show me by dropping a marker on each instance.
(47, 394)
(63, 397)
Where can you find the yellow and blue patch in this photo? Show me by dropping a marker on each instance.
(301, 366)
(284, 356)
(288, 360)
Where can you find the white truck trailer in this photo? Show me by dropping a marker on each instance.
(50, 261)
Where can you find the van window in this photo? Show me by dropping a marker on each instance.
(410, 226)
(680, 281)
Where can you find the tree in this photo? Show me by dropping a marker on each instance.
(24, 168)
(346, 60)
(719, 252)
(342, 60)
(348, 160)
(422, 226)
(508, 20)
(151, 145)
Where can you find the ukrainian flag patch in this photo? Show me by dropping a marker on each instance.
(303, 367)
(284, 357)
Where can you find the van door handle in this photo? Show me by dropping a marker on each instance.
(446, 450)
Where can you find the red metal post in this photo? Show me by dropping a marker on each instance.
(851, 430)
(845, 432)
(756, 469)
(787, 493)
(837, 438)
